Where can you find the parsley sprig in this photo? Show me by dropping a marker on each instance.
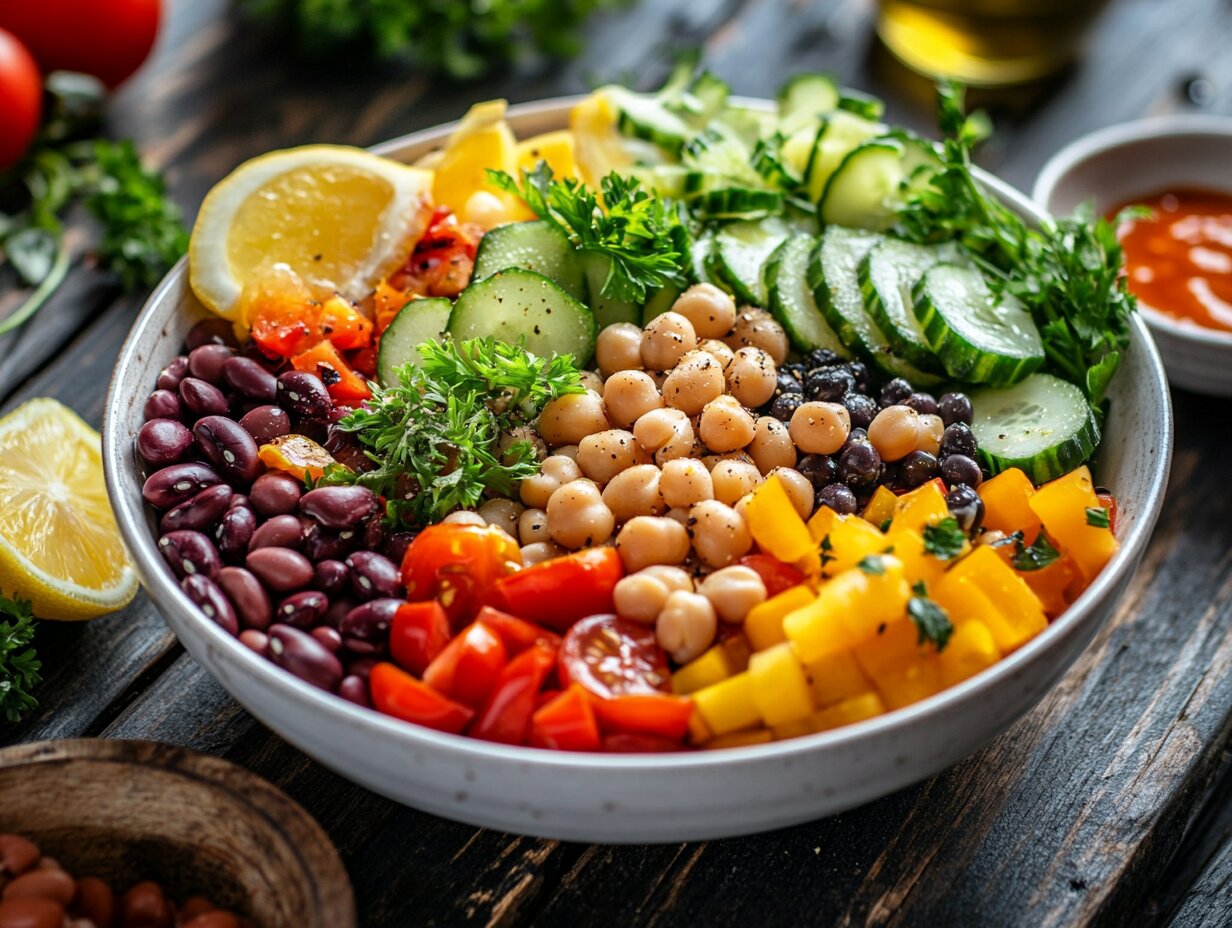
(644, 236)
(435, 436)
(944, 540)
(932, 622)
(19, 666)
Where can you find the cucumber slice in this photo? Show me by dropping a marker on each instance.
(644, 116)
(863, 190)
(417, 322)
(791, 298)
(834, 277)
(767, 160)
(659, 303)
(605, 311)
(980, 338)
(1043, 425)
(863, 105)
(520, 306)
(740, 251)
(536, 246)
(887, 275)
(738, 203)
(746, 123)
(800, 148)
(805, 97)
(842, 134)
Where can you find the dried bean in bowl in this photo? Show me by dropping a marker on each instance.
(206, 362)
(303, 610)
(211, 600)
(304, 656)
(370, 621)
(211, 331)
(200, 513)
(163, 441)
(234, 533)
(280, 569)
(247, 596)
(284, 531)
(178, 483)
(163, 404)
(201, 398)
(248, 378)
(170, 376)
(303, 394)
(188, 553)
(373, 575)
(228, 447)
(339, 507)
(275, 493)
(265, 423)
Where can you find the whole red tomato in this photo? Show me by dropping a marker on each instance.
(106, 38)
(21, 99)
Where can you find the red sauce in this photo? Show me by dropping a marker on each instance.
(1180, 260)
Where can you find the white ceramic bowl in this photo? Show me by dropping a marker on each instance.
(637, 798)
(1135, 159)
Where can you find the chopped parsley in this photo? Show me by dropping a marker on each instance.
(873, 565)
(19, 665)
(944, 540)
(1097, 517)
(1036, 556)
(931, 621)
(827, 547)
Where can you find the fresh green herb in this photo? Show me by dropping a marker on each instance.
(448, 431)
(827, 548)
(873, 565)
(931, 621)
(19, 666)
(886, 523)
(643, 235)
(1097, 516)
(1014, 538)
(1068, 272)
(1036, 556)
(944, 540)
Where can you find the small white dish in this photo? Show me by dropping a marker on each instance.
(1138, 159)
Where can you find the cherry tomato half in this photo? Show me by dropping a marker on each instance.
(776, 575)
(21, 99)
(469, 666)
(610, 656)
(658, 714)
(561, 591)
(395, 692)
(457, 565)
(418, 633)
(517, 634)
(566, 723)
(506, 716)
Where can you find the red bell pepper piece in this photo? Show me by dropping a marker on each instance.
(561, 591)
(395, 692)
(469, 666)
(506, 716)
(518, 634)
(419, 633)
(659, 714)
(567, 723)
(323, 359)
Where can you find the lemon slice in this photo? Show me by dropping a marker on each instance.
(59, 545)
(340, 217)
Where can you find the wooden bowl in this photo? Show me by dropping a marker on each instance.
(127, 811)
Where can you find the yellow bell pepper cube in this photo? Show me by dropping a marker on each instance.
(822, 521)
(712, 667)
(775, 524)
(917, 680)
(739, 739)
(881, 507)
(918, 564)
(728, 706)
(970, 650)
(848, 712)
(837, 677)
(1016, 615)
(738, 650)
(763, 626)
(1053, 584)
(796, 729)
(1062, 505)
(925, 505)
(889, 650)
(599, 148)
(1007, 504)
(699, 731)
(556, 148)
(848, 610)
(482, 140)
(848, 542)
(780, 688)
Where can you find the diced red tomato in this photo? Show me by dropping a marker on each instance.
(561, 591)
(610, 656)
(625, 743)
(395, 692)
(567, 723)
(468, 667)
(443, 260)
(545, 697)
(517, 634)
(344, 385)
(286, 325)
(659, 714)
(418, 633)
(457, 565)
(363, 360)
(776, 575)
(506, 715)
(1109, 502)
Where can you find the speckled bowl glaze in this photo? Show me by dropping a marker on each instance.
(1114, 165)
(637, 798)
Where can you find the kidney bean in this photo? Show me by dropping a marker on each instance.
(163, 404)
(193, 906)
(215, 919)
(303, 394)
(145, 906)
(330, 577)
(163, 441)
(210, 331)
(321, 545)
(361, 667)
(275, 493)
(370, 621)
(395, 545)
(188, 552)
(265, 423)
(339, 507)
(178, 483)
(234, 533)
(354, 689)
(374, 532)
(170, 376)
(255, 640)
(339, 606)
(201, 398)
(373, 574)
(357, 647)
(228, 447)
(238, 499)
(31, 912)
(302, 610)
(212, 601)
(247, 596)
(201, 513)
(206, 362)
(278, 532)
(248, 378)
(328, 637)
(304, 656)
(42, 884)
(280, 569)
(95, 901)
(17, 854)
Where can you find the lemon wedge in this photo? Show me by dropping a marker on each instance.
(339, 217)
(59, 545)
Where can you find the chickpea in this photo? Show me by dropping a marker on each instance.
(712, 460)
(674, 578)
(931, 430)
(666, 339)
(641, 596)
(751, 377)
(539, 551)
(577, 516)
(647, 540)
(619, 348)
(725, 425)
(634, 492)
(756, 328)
(605, 454)
(820, 428)
(733, 591)
(567, 451)
(693, 382)
(686, 627)
(734, 479)
(711, 311)
(502, 512)
(656, 428)
(679, 514)
(720, 534)
(629, 395)
(681, 445)
(799, 489)
(465, 517)
(533, 526)
(554, 473)
(719, 351)
(771, 446)
(521, 433)
(568, 419)
(591, 381)
(895, 432)
(685, 481)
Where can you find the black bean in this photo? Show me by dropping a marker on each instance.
(187, 553)
(247, 595)
(163, 441)
(892, 473)
(859, 465)
(248, 378)
(859, 370)
(170, 376)
(966, 506)
(828, 384)
(856, 436)
(958, 468)
(201, 398)
(373, 575)
(839, 498)
(339, 507)
(163, 404)
(821, 357)
(916, 468)
(923, 403)
(265, 423)
(784, 405)
(280, 569)
(199, 514)
(861, 409)
(176, 483)
(210, 331)
(820, 469)
(958, 439)
(283, 531)
(234, 532)
(206, 362)
(303, 610)
(303, 394)
(370, 621)
(228, 447)
(212, 601)
(275, 493)
(331, 577)
(302, 655)
(895, 392)
(787, 383)
(955, 407)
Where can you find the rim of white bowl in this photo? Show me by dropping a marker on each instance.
(167, 595)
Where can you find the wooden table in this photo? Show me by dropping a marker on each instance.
(1109, 804)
